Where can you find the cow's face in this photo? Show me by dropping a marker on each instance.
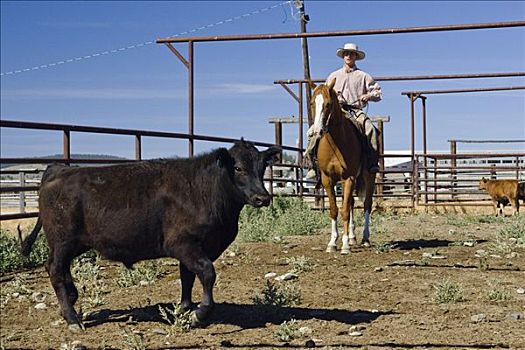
(248, 166)
(483, 184)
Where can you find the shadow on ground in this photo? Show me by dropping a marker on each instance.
(244, 316)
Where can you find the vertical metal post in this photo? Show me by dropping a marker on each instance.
(424, 110)
(306, 60)
(453, 163)
(279, 142)
(412, 150)
(300, 146)
(190, 98)
(416, 184)
(67, 147)
(138, 147)
(22, 197)
(435, 182)
(517, 168)
(380, 127)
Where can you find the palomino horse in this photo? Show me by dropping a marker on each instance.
(340, 159)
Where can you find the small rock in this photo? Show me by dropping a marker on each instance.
(374, 311)
(38, 297)
(478, 318)
(159, 331)
(357, 328)
(286, 277)
(378, 269)
(469, 243)
(513, 316)
(177, 282)
(451, 231)
(57, 323)
(270, 275)
(76, 345)
(438, 257)
(355, 334)
(15, 295)
(232, 254)
(520, 291)
(495, 256)
(40, 306)
(143, 283)
(428, 255)
(305, 331)
(478, 228)
(309, 344)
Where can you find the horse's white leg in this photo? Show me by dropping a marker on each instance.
(351, 228)
(366, 229)
(334, 211)
(332, 245)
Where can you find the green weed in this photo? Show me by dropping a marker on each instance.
(287, 331)
(448, 292)
(279, 295)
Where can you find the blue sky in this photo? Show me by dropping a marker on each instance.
(145, 87)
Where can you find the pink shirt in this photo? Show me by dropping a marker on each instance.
(353, 84)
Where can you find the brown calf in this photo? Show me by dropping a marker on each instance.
(501, 191)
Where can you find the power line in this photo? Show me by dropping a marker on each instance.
(134, 46)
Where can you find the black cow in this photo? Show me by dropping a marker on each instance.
(187, 209)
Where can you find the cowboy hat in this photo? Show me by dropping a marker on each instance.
(352, 48)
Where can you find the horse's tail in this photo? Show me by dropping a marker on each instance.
(27, 243)
(360, 187)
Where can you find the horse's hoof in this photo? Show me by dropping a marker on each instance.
(345, 251)
(365, 243)
(352, 241)
(75, 328)
(331, 249)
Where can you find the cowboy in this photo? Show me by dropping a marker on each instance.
(355, 88)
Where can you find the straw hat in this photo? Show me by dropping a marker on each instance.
(352, 48)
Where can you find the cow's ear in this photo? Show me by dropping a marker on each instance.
(223, 158)
(271, 155)
(483, 179)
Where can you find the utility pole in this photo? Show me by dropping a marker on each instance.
(299, 4)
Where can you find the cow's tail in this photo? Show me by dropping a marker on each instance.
(27, 243)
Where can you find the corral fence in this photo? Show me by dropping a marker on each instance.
(447, 179)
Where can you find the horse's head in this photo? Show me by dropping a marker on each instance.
(323, 104)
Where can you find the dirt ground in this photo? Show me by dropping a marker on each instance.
(389, 294)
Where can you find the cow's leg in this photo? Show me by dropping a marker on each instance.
(60, 276)
(515, 206)
(187, 279)
(347, 215)
(189, 253)
(329, 187)
(495, 204)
